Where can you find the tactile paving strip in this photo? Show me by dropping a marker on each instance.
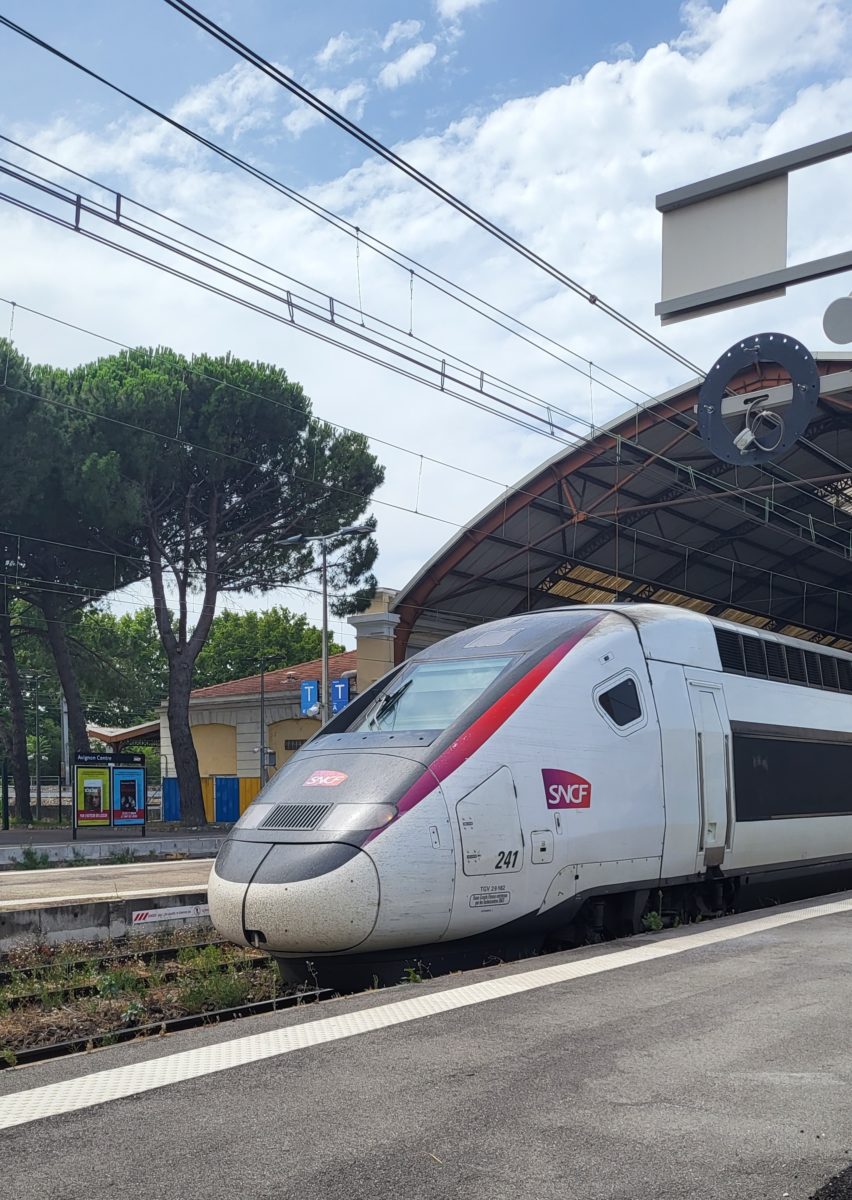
(102, 1086)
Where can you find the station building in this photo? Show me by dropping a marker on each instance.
(225, 718)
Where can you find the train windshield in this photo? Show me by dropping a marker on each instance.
(430, 695)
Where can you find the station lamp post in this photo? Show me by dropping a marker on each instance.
(263, 749)
(35, 679)
(324, 539)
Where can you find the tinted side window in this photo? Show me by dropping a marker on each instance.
(621, 703)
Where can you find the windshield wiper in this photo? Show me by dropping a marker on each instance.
(390, 701)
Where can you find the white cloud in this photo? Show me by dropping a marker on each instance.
(349, 99)
(572, 171)
(339, 50)
(401, 31)
(241, 99)
(451, 10)
(408, 66)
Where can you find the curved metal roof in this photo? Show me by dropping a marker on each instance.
(643, 511)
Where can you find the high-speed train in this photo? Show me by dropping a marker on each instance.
(559, 776)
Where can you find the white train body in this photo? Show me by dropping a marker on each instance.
(515, 777)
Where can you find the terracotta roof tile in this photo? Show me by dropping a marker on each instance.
(283, 680)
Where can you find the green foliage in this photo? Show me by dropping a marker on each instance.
(133, 1014)
(238, 641)
(651, 922)
(194, 478)
(120, 981)
(123, 670)
(121, 665)
(214, 990)
(50, 750)
(32, 860)
(259, 467)
(123, 856)
(201, 958)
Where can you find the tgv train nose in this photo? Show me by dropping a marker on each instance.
(294, 898)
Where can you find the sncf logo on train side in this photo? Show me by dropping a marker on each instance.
(324, 779)
(563, 789)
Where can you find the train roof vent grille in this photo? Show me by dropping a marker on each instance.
(755, 656)
(828, 666)
(812, 667)
(776, 661)
(296, 816)
(796, 664)
(730, 646)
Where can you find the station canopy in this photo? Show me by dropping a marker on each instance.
(642, 511)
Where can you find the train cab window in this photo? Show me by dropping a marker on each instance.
(430, 695)
(621, 703)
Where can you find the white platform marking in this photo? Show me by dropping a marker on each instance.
(120, 1082)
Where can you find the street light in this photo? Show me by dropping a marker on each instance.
(263, 749)
(323, 538)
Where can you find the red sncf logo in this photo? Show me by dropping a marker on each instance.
(563, 789)
(325, 779)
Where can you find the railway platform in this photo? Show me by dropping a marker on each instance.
(712, 1061)
(91, 903)
(104, 845)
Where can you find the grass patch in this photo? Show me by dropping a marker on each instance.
(32, 860)
(45, 1009)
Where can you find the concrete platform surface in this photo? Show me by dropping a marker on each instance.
(56, 834)
(712, 1062)
(58, 846)
(79, 885)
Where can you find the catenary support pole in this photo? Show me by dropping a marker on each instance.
(324, 692)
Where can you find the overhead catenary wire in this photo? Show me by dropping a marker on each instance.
(292, 194)
(325, 214)
(396, 160)
(476, 617)
(440, 378)
(428, 275)
(441, 354)
(691, 495)
(105, 81)
(387, 251)
(842, 548)
(331, 306)
(646, 535)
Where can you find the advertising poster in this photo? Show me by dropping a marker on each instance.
(92, 795)
(128, 796)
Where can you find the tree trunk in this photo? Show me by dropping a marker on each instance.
(182, 651)
(67, 675)
(18, 726)
(183, 747)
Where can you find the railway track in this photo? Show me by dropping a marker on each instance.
(166, 1025)
(105, 962)
(131, 1033)
(72, 991)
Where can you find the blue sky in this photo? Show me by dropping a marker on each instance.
(490, 53)
(560, 120)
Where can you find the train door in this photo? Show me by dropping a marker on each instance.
(492, 845)
(710, 718)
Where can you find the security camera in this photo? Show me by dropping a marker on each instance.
(313, 711)
(744, 439)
